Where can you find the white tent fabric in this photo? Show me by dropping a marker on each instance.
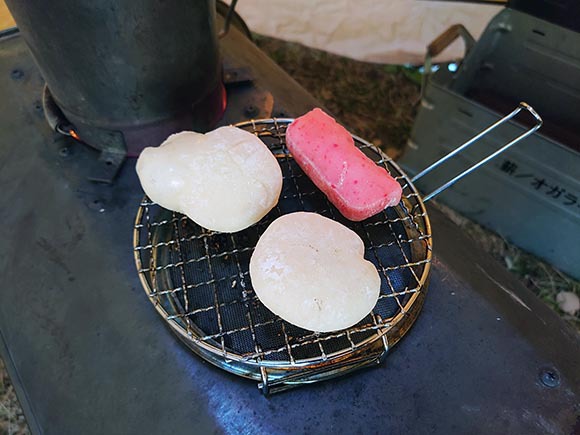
(392, 31)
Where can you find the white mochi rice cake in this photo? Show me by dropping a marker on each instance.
(311, 271)
(225, 180)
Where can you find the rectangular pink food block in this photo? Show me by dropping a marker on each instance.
(326, 152)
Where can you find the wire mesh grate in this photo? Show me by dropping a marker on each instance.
(199, 279)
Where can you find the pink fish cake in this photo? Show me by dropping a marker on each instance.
(326, 152)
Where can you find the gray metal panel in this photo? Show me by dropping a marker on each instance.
(89, 354)
(531, 194)
(523, 57)
(510, 203)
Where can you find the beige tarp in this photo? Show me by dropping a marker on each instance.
(395, 31)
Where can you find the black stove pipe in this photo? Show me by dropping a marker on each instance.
(127, 74)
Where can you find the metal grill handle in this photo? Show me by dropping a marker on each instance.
(228, 19)
(522, 106)
(438, 45)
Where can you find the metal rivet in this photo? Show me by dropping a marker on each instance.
(16, 74)
(549, 377)
(97, 205)
(250, 110)
(64, 152)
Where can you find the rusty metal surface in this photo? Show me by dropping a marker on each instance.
(88, 354)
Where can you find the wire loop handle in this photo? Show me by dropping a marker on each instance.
(522, 106)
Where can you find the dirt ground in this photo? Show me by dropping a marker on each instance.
(373, 101)
(12, 421)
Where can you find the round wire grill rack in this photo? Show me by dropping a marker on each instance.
(199, 280)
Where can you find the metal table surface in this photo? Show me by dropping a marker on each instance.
(88, 353)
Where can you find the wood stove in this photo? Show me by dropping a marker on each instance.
(87, 352)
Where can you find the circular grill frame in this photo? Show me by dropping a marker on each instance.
(385, 333)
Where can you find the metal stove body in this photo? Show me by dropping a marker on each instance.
(116, 78)
(88, 354)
